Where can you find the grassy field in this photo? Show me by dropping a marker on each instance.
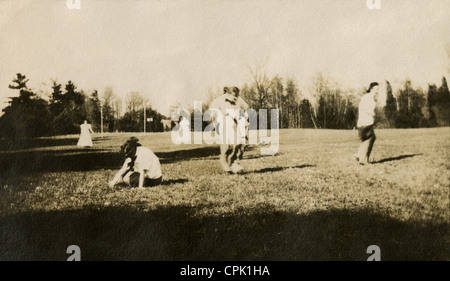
(311, 201)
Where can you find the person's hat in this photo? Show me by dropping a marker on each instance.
(373, 84)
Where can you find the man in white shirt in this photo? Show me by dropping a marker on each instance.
(140, 168)
(230, 112)
(366, 121)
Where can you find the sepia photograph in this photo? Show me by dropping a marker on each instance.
(224, 130)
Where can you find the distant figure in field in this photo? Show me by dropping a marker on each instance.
(85, 135)
(366, 121)
(140, 168)
(185, 130)
(233, 124)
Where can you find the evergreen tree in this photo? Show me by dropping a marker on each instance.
(322, 112)
(432, 104)
(306, 114)
(56, 100)
(73, 111)
(351, 115)
(390, 110)
(93, 111)
(443, 102)
(27, 115)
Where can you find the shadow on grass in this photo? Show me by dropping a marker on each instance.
(395, 158)
(13, 144)
(177, 233)
(276, 169)
(123, 185)
(257, 156)
(202, 152)
(19, 163)
(169, 182)
(29, 143)
(186, 154)
(84, 159)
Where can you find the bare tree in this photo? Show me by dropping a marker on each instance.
(109, 108)
(134, 102)
(260, 82)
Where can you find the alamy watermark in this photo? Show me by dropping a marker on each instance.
(234, 127)
(373, 4)
(75, 252)
(375, 252)
(73, 4)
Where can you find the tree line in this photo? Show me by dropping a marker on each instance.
(327, 107)
(330, 107)
(29, 115)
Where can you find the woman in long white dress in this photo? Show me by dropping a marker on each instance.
(185, 130)
(85, 135)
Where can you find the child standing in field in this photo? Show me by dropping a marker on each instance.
(140, 168)
(85, 135)
(366, 121)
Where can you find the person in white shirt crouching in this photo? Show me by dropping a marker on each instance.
(141, 167)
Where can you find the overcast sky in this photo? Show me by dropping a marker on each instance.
(174, 51)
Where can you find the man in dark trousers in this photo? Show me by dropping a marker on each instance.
(366, 121)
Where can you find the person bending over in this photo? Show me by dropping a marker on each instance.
(140, 168)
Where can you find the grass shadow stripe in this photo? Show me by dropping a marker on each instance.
(277, 169)
(395, 158)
